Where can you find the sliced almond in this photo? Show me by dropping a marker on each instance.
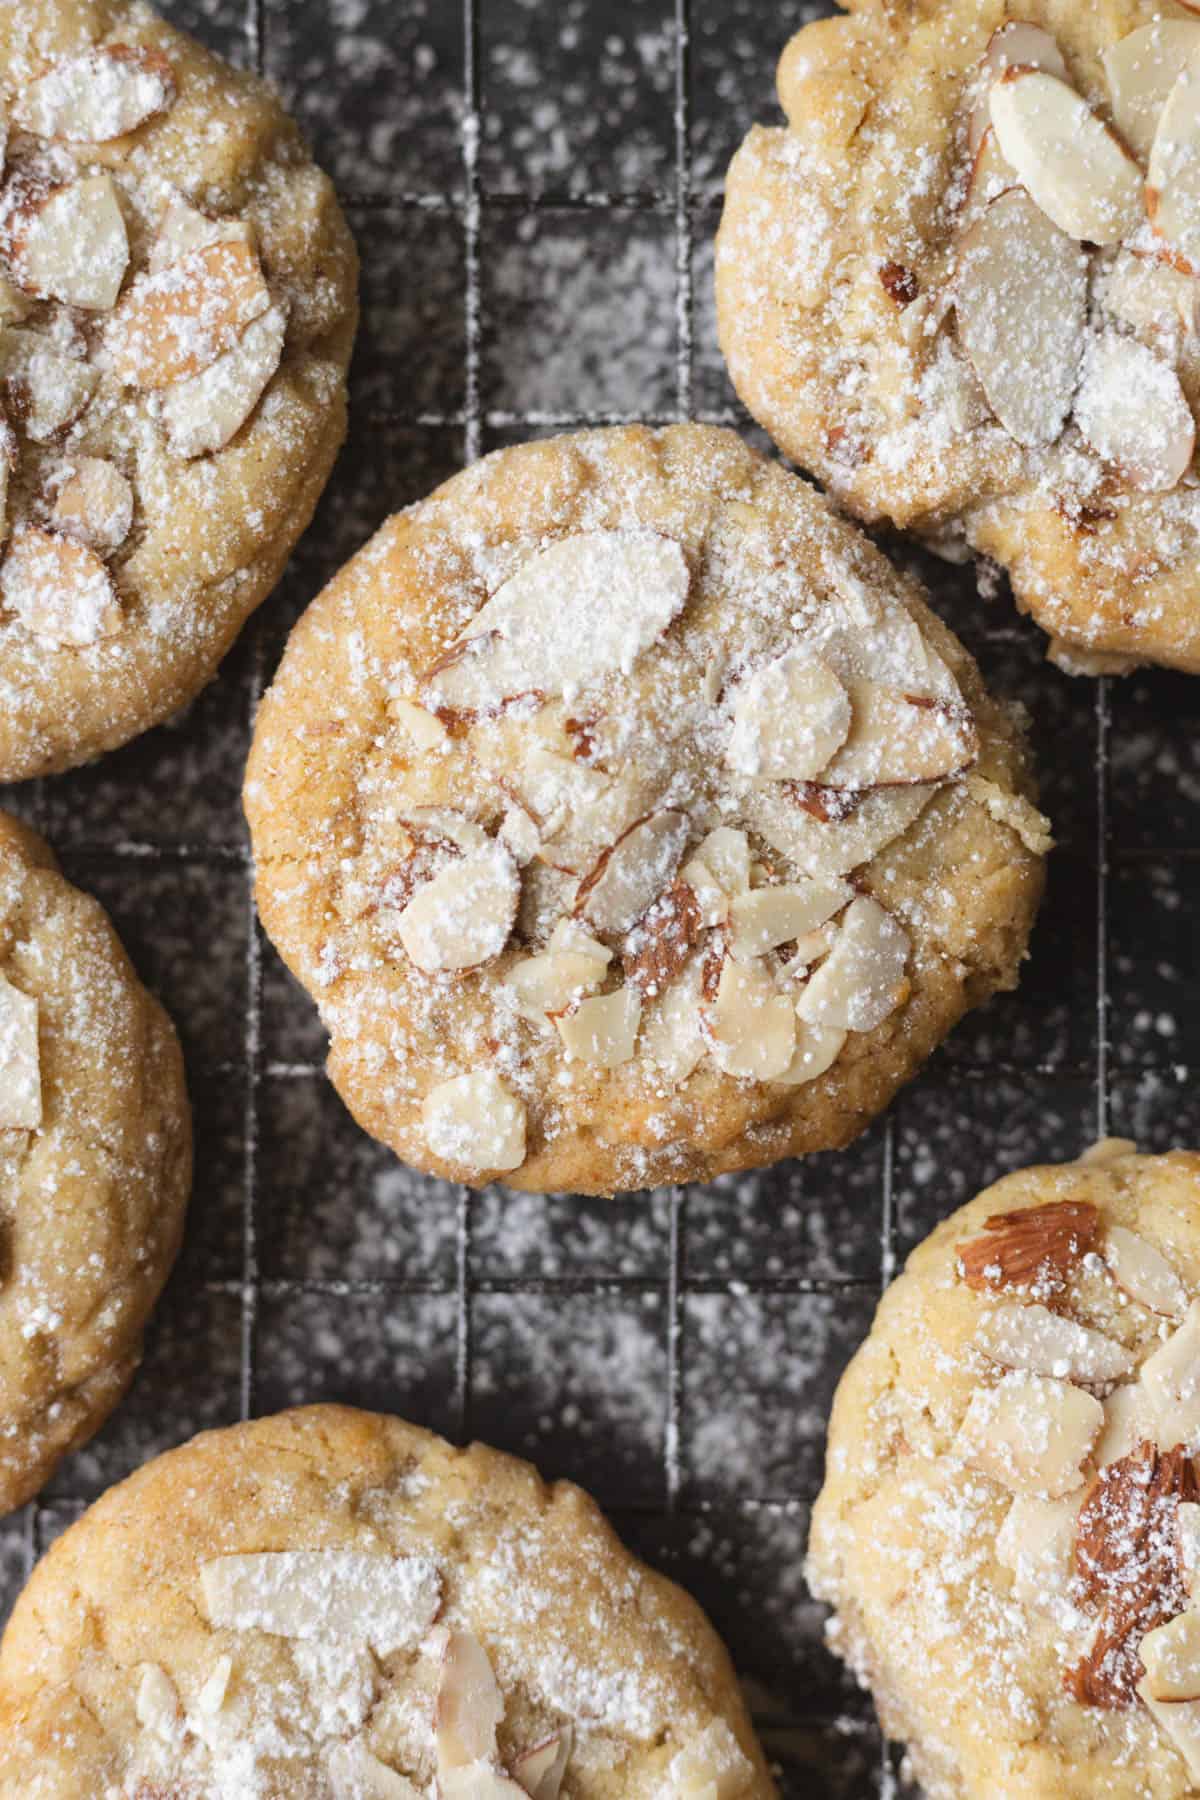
(1129, 1420)
(1187, 1528)
(1036, 1542)
(750, 1025)
(463, 916)
(1021, 291)
(97, 96)
(552, 982)
(93, 503)
(1032, 1337)
(765, 917)
(355, 1773)
(1037, 1248)
(388, 1602)
(478, 1781)
(991, 175)
(1030, 1433)
(1133, 412)
(671, 1036)
(789, 717)
(711, 1766)
(183, 229)
(71, 244)
(1142, 69)
(1179, 1720)
(426, 731)
(817, 1049)
(60, 590)
(540, 1771)
(897, 738)
(603, 1031)
(861, 981)
(171, 326)
(827, 848)
(663, 939)
(469, 1705)
(213, 1694)
(1173, 179)
(571, 938)
(1015, 45)
(1158, 301)
(632, 873)
(1144, 1273)
(586, 605)
(157, 1705)
(1076, 170)
(46, 390)
(717, 871)
(20, 1060)
(1171, 1378)
(473, 1122)
(205, 412)
(518, 830)
(1171, 1657)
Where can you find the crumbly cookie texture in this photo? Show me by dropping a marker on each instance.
(632, 820)
(177, 310)
(960, 286)
(333, 1605)
(1010, 1525)
(95, 1164)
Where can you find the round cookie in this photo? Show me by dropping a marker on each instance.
(177, 310)
(1010, 1520)
(968, 330)
(632, 820)
(334, 1605)
(95, 1164)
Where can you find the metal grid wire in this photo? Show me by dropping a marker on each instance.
(757, 1291)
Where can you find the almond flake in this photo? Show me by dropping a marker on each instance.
(789, 718)
(356, 1774)
(861, 981)
(97, 96)
(71, 244)
(662, 940)
(711, 1766)
(540, 1771)
(1142, 69)
(1172, 1380)
(717, 871)
(817, 1049)
(518, 830)
(632, 873)
(1133, 412)
(896, 738)
(671, 1037)
(206, 411)
(1170, 1655)
(473, 1122)
(388, 1602)
(1129, 1421)
(1031, 1433)
(60, 590)
(1073, 166)
(478, 1781)
(212, 1696)
(766, 917)
(171, 326)
(1144, 1273)
(751, 1027)
(1159, 302)
(20, 1060)
(569, 936)
(1187, 1531)
(462, 916)
(1034, 1247)
(93, 503)
(46, 390)
(552, 982)
(1173, 180)
(426, 731)
(603, 1031)
(183, 228)
(825, 848)
(1036, 1542)
(157, 1705)
(583, 607)
(991, 175)
(1020, 295)
(1180, 1721)
(1016, 45)
(1032, 1337)
(469, 1705)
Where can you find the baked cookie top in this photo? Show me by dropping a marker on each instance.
(960, 285)
(95, 1164)
(631, 819)
(1010, 1524)
(333, 1605)
(177, 307)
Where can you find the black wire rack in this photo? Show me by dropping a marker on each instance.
(534, 189)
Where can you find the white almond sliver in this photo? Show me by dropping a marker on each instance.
(518, 830)
(157, 1704)
(426, 731)
(1171, 1657)
(1016, 45)
(817, 1049)
(897, 738)
(632, 873)
(94, 503)
(551, 982)
(711, 1766)
(47, 391)
(603, 1031)
(825, 849)
(184, 228)
(1144, 1273)
(579, 609)
(861, 980)
(1034, 1338)
(717, 870)
(1171, 1378)
(570, 937)
(473, 1122)
(751, 1026)
(74, 247)
(478, 1781)
(765, 917)
(1129, 1420)
(1037, 1543)
(788, 719)
(671, 1037)
(1133, 412)
(212, 1696)
(1187, 1531)
(100, 95)
(170, 326)
(1173, 179)
(991, 175)
(469, 1704)
(388, 1602)
(1180, 1720)
(60, 590)
(462, 916)
(1159, 302)
(355, 1773)
(1021, 288)
(1031, 1434)
(540, 1771)
(1142, 69)
(20, 1060)
(206, 411)
(1075, 169)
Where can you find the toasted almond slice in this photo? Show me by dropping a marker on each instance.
(20, 1060)
(1144, 1273)
(788, 719)
(1156, 299)
(1037, 1543)
(426, 731)
(750, 1025)
(183, 229)
(478, 1781)
(991, 175)
(60, 590)
(1129, 1420)
(1142, 69)
(212, 1696)
(579, 609)
(1032, 1337)
(1031, 1433)
(47, 391)
(898, 738)
(1133, 412)
(388, 1602)
(1016, 45)
(474, 1123)
(1076, 169)
(170, 326)
(1013, 810)
(570, 937)
(540, 1771)
(632, 873)
(711, 1766)
(157, 1705)
(768, 916)
(1171, 1378)
(1187, 1529)
(827, 848)
(1171, 1657)
(469, 1705)
(717, 871)
(71, 245)
(809, 949)
(552, 982)
(671, 1036)
(93, 503)
(431, 823)
(463, 916)
(1021, 289)
(206, 411)
(97, 96)
(355, 1773)
(817, 1049)
(518, 830)
(1173, 179)
(1180, 1720)
(861, 981)
(603, 1030)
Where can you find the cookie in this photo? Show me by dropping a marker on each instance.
(335, 1604)
(1010, 1524)
(177, 309)
(95, 1164)
(632, 820)
(959, 286)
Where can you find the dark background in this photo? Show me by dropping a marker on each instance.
(674, 1352)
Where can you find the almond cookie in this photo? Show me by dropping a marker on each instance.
(333, 1605)
(1010, 1525)
(177, 308)
(95, 1164)
(632, 820)
(960, 287)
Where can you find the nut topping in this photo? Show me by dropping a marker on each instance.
(98, 96)
(1170, 1655)
(552, 982)
(46, 390)
(1172, 1380)
(1134, 413)
(710, 1766)
(1173, 180)
(672, 1039)
(205, 412)
(632, 873)
(817, 1049)
(183, 228)
(1179, 1719)
(1144, 1273)
(355, 1773)
(1031, 1434)
(896, 738)
(93, 503)
(171, 326)
(1037, 1247)
(766, 917)
(1036, 1542)
(1032, 1337)
(603, 1031)
(662, 940)
(59, 589)
(788, 719)
(20, 1061)
(69, 244)
(473, 1122)
(343, 1595)
(463, 915)
(1142, 69)
(540, 1771)
(157, 1704)
(1016, 45)
(861, 981)
(1076, 170)
(751, 1027)
(717, 871)
(469, 1706)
